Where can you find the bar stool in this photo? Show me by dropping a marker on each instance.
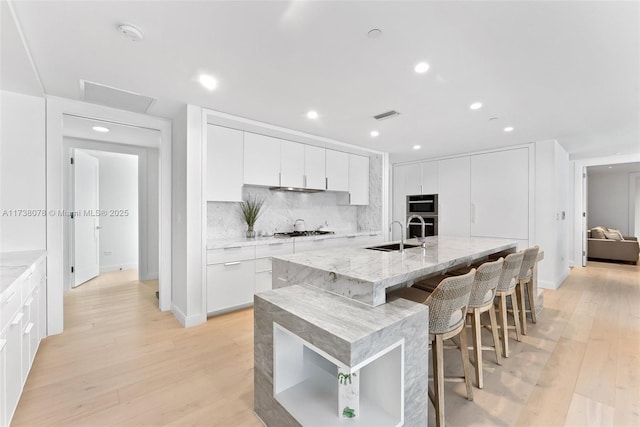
(447, 312)
(507, 288)
(481, 301)
(525, 285)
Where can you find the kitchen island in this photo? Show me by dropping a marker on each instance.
(328, 348)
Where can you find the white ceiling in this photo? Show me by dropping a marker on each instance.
(553, 70)
(617, 168)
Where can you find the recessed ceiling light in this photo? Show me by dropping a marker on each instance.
(312, 114)
(100, 129)
(493, 118)
(209, 82)
(508, 129)
(476, 106)
(131, 32)
(375, 33)
(416, 147)
(610, 167)
(374, 133)
(421, 67)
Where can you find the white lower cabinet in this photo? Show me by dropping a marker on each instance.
(230, 285)
(22, 326)
(263, 281)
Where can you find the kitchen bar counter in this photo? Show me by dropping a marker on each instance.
(364, 274)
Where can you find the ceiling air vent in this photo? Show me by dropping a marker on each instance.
(116, 98)
(386, 115)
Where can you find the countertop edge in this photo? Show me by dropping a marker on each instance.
(213, 244)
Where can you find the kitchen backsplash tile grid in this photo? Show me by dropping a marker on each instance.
(281, 209)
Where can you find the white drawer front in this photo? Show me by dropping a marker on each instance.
(230, 285)
(310, 245)
(263, 264)
(230, 254)
(10, 302)
(263, 281)
(274, 249)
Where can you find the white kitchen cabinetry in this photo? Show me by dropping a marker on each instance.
(399, 198)
(230, 278)
(337, 170)
(261, 160)
(500, 194)
(429, 178)
(292, 169)
(454, 195)
(263, 262)
(21, 328)
(315, 167)
(358, 180)
(225, 164)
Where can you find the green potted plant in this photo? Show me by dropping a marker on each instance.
(251, 209)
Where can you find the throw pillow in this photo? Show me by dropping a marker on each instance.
(597, 233)
(613, 235)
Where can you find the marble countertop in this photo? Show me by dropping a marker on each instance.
(347, 320)
(364, 274)
(257, 241)
(14, 265)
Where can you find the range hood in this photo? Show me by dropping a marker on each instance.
(296, 189)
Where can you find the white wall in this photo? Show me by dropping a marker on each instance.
(552, 199)
(608, 200)
(118, 195)
(22, 172)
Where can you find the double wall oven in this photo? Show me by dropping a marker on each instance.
(425, 206)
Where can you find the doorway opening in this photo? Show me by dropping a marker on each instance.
(612, 223)
(111, 199)
(104, 224)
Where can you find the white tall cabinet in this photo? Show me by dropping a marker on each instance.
(454, 197)
(225, 164)
(500, 194)
(358, 180)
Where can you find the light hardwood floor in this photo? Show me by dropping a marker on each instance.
(122, 362)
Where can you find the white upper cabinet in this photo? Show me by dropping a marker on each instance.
(337, 170)
(224, 164)
(429, 183)
(315, 167)
(413, 179)
(454, 193)
(358, 180)
(261, 160)
(292, 166)
(500, 194)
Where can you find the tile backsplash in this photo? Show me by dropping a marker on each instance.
(281, 209)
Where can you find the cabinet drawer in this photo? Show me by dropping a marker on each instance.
(230, 254)
(263, 281)
(263, 264)
(230, 285)
(274, 249)
(10, 302)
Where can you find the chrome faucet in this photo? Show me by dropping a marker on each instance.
(401, 234)
(422, 225)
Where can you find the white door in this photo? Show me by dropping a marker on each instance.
(337, 170)
(585, 193)
(430, 178)
(86, 221)
(454, 210)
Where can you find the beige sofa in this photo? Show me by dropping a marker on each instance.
(601, 247)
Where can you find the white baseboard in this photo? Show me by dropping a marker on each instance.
(116, 267)
(187, 321)
(554, 284)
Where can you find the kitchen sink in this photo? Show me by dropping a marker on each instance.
(391, 247)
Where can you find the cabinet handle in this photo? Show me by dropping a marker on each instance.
(351, 237)
(232, 247)
(276, 244)
(421, 189)
(231, 263)
(319, 240)
(28, 302)
(10, 297)
(2, 344)
(17, 319)
(373, 234)
(304, 180)
(279, 178)
(326, 183)
(27, 330)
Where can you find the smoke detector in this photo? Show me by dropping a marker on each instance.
(131, 32)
